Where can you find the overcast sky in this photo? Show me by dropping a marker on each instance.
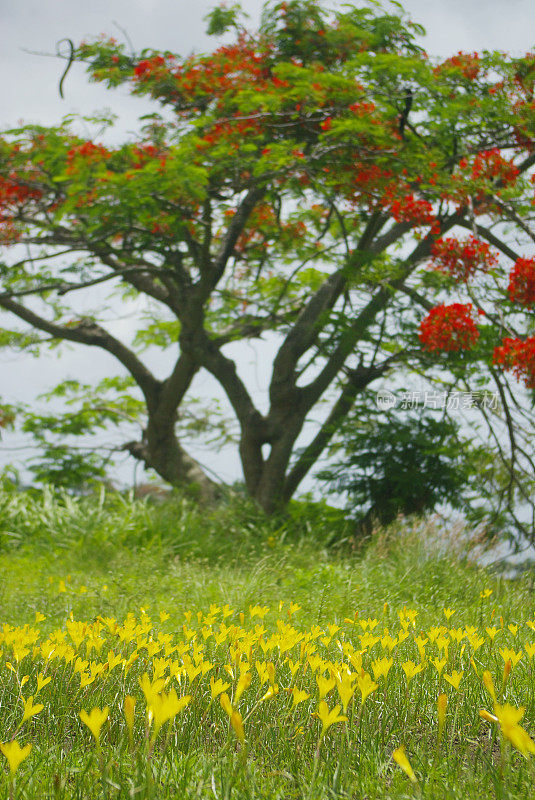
(30, 94)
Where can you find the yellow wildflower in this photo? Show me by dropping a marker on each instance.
(400, 757)
(366, 686)
(95, 720)
(30, 710)
(411, 669)
(217, 686)
(442, 702)
(15, 754)
(299, 696)
(329, 718)
(454, 679)
(509, 717)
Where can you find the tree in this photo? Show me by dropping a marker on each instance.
(320, 180)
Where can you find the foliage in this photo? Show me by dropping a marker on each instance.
(401, 465)
(320, 180)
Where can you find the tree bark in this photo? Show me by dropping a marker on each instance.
(160, 450)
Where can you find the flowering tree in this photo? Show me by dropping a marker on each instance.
(321, 180)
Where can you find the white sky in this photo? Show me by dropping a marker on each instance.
(30, 94)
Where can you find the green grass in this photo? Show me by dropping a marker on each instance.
(110, 557)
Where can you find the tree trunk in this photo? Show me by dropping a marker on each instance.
(161, 451)
(265, 477)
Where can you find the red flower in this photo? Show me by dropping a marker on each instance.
(362, 109)
(462, 259)
(90, 151)
(449, 328)
(490, 164)
(327, 124)
(409, 208)
(467, 63)
(519, 357)
(522, 282)
(146, 67)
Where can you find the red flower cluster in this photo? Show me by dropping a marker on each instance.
(228, 69)
(147, 152)
(87, 151)
(462, 259)
(490, 164)
(522, 282)
(146, 68)
(233, 132)
(449, 328)
(519, 357)
(362, 109)
(13, 195)
(468, 63)
(409, 208)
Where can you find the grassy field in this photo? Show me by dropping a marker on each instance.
(170, 652)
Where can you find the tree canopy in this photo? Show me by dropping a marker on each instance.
(320, 179)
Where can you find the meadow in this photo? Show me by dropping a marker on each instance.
(167, 651)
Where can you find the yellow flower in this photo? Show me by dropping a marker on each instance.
(421, 642)
(217, 686)
(346, 689)
(411, 669)
(325, 685)
(226, 704)
(442, 702)
(258, 611)
(299, 696)
(129, 709)
(491, 632)
(235, 717)
(329, 718)
(509, 717)
(271, 692)
(237, 723)
(454, 679)
(164, 707)
(292, 608)
(401, 760)
(15, 754)
(95, 720)
(30, 710)
(150, 688)
(42, 682)
(510, 655)
(381, 667)
(448, 613)
(243, 683)
(489, 685)
(439, 664)
(530, 650)
(366, 686)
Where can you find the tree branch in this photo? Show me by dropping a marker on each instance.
(234, 231)
(359, 380)
(89, 333)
